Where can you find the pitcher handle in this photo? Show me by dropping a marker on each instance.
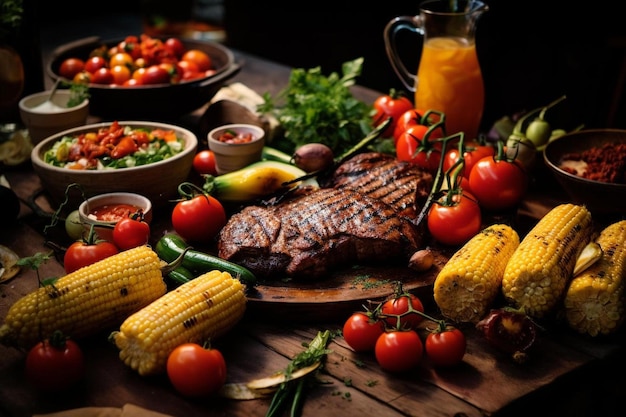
(412, 23)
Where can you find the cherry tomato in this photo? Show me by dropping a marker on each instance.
(204, 163)
(361, 332)
(94, 63)
(82, 77)
(121, 74)
(155, 74)
(396, 308)
(411, 147)
(391, 105)
(102, 76)
(200, 58)
(399, 350)
(195, 371)
(82, 253)
(498, 184)
(131, 232)
(175, 46)
(474, 151)
(70, 67)
(415, 117)
(198, 219)
(55, 364)
(456, 223)
(446, 347)
(121, 58)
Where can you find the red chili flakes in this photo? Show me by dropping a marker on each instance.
(606, 163)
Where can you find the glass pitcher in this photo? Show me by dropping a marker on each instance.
(448, 77)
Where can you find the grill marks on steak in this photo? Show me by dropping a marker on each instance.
(310, 235)
(402, 185)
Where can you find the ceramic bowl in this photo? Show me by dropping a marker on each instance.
(157, 181)
(43, 117)
(233, 156)
(118, 205)
(162, 102)
(600, 197)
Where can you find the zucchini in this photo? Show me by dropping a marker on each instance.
(273, 154)
(171, 246)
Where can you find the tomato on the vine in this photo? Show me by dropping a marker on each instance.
(362, 331)
(198, 218)
(445, 347)
(196, 371)
(399, 350)
(55, 364)
(391, 105)
(204, 163)
(454, 218)
(498, 184)
(400, 311)
(131, 232)
(413, 147)
(86, 252)
(473, 152)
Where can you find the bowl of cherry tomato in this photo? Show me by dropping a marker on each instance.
(148, 158)
(142, 77)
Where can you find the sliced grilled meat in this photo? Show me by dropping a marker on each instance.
(310, 235)
(402, 185)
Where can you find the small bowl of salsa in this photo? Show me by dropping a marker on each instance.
(105, 210)
(236, 146)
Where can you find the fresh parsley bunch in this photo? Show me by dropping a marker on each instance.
(318, 108)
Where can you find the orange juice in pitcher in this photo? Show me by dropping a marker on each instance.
(448, 77)
(450, 81)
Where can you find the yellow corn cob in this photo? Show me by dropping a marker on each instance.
(88, 300)
(594, 301)
(537, 274)
(469, 282)
(201, 309)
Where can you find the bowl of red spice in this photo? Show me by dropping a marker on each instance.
(590, 165)
(236, 146)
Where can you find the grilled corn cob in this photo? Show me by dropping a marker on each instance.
(469, 282)
(594, 302)
(202, 309)
(86, 301)
(536, 276)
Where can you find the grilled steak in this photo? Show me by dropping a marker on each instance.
(307, 236)
(402, 185)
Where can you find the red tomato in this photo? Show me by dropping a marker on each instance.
(82, 253)
(94, 63)
(204, 163)
(410, 147)
(391, 105)
(129, 233)
(399, 351)
(102, 76)
(198, 219)
(175, 46)
(401, 311)
(474, 151)
(446, 347)
(155, 74)
(195, 371)
(498, 184)
(361, 332)
(200, 58)
(456, 223)
(414, 117)
(55, 364)
(70, 67)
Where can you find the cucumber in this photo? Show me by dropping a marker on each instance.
(180, 275)
(171, 246)
(273, 154)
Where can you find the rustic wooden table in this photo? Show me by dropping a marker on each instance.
(566, 375)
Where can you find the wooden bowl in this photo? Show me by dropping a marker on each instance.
(157, 181)
(601, 198)
(164, 102)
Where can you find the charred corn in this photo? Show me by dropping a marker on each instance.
(255, 181)
(86, 301)
(594, 302)
(196, 311)
(536, 276)
(469, 282)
